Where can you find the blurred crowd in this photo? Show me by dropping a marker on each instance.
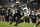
(7, 13)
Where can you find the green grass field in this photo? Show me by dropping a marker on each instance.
(7, 24)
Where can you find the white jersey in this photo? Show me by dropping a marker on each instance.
(37, 13)
(25, 11)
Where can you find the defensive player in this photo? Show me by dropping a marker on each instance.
(25, 11)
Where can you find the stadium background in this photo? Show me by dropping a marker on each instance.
(6, 3)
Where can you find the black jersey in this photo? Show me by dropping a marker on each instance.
(38, 16)
(10, 14)
(8, 10)
(32, 15)
(2, 12)
(18, 13)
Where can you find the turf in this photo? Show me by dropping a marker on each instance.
(7, 24)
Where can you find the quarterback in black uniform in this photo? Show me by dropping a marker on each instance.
(17, 14)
